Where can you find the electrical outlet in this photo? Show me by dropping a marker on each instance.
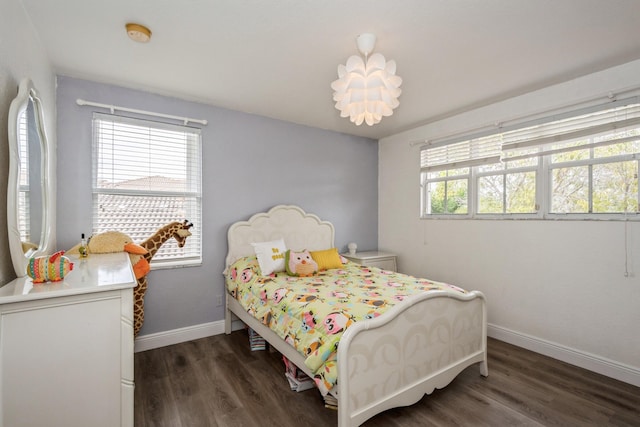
(218, 300)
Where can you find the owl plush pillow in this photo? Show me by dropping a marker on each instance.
(300, 264)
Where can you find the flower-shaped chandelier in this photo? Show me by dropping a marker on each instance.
(367, 92)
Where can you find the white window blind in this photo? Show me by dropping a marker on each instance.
(594, 129)
(604, 125)
(147, 174)
(462, 154)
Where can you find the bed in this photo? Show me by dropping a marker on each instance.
(421, 342)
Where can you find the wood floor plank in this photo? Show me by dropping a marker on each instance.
(219, 393)
(572, 394)
(156, 405)
(521, 397)
(219, 382)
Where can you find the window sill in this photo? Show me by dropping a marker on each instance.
(175, 264)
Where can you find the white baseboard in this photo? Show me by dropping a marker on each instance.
(584, 360)
(598, 364)
(176, 336)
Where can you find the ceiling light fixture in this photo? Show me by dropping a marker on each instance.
(366, 92)
(138, 33)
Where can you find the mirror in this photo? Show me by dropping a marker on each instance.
(28, 209)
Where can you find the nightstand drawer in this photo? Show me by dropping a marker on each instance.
(385, 264)
(383, 260)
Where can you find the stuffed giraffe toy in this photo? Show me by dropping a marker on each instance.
(179, 231)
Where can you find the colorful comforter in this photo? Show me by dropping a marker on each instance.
(312, 313)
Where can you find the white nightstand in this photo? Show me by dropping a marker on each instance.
(383, 260)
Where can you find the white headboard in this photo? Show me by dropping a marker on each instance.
(299, 230)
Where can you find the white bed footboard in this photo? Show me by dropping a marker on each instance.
(419, 345)
(395, 359)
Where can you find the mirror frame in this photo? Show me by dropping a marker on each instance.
(26, 93)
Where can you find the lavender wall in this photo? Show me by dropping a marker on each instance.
(250, 163)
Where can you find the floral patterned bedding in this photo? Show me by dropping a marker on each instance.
(312, 313)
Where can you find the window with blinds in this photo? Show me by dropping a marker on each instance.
(145, 175)
(581, 164)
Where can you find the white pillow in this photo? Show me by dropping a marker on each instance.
(270, 256)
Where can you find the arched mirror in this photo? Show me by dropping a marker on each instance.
(28, 192)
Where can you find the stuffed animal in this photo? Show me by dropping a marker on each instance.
(49, 268)
(116, 241)
(300, 264)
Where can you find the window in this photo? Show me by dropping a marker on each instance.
(579, 165)
(448, 191)
(446, 170)
(146, 175)
(507, 187)
(588, 177)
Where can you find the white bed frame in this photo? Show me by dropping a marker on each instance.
(393, 360)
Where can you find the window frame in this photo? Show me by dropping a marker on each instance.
(590, 163)
(537, 169)
(425, 181)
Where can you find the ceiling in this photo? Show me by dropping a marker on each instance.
(278, 58)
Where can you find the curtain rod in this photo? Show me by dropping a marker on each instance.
(609, 96)
(186, 120)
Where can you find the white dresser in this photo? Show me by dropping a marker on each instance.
(66, 348)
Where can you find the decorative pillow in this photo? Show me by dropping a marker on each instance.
(270, 256)
(327, 259)
(300, 264)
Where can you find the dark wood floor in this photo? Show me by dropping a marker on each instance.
(218, 381)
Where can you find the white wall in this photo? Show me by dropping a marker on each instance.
(21, 55)
(556, 287)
